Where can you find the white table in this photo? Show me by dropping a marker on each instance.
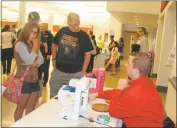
(48, 116)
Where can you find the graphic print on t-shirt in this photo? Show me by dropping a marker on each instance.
(68, 49)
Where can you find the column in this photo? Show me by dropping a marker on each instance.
(158, 44)
(22, 14)
(50, 23)
(116, 27)
(167, 43)
(150, 37)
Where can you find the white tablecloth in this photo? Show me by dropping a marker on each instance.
(47, 115)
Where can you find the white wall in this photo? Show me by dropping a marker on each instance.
(100, 30)
(173, 69)
(150, 37)
(166, 46)
(150, 7)
(116, 26)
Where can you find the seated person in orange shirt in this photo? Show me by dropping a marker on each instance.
(136, 102)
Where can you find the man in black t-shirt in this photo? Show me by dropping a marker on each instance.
(70, 54)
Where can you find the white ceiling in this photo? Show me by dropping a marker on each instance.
(91, 12)
(139, 19)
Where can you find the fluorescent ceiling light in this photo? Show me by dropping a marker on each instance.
(90, 11)
(40, 10)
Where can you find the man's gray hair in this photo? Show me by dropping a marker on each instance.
(73, 15)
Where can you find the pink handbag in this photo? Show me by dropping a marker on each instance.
(13, 86)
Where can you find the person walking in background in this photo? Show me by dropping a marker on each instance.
(44, 68)
(110, 44)
(7, 49)
(15, 32)
(93, 53)
(121, 47)
(70, 54)
(143, 41)
(113, 59)
(100, 43)
(34, 17)
(27, 53)
(13, 29)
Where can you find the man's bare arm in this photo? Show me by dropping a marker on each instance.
(86, 61)
(54, 50)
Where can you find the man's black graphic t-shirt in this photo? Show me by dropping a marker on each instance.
(71, 49)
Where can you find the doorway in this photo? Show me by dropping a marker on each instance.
(128, 36)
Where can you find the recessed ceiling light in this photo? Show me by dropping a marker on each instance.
(136, 19)
(137, 22)
(135, 16)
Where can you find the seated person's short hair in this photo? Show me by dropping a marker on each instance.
(142, 62)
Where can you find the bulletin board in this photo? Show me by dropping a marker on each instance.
(172, 56)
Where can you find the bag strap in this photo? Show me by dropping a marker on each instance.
(27, 66)
(25, 73)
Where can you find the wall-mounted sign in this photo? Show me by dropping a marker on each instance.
(172, 57)
(112, 31)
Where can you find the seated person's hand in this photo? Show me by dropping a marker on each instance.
(122, 84)
(92, 96)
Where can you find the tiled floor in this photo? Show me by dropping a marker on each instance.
(111, 81)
